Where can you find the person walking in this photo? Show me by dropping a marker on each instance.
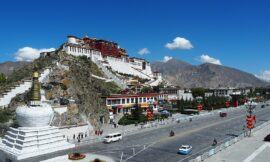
(244, 130)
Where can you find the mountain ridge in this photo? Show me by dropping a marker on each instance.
(9, 67)
(208, 75)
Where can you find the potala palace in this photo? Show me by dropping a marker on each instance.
(110, 57)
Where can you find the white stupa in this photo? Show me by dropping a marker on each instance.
(34, 136)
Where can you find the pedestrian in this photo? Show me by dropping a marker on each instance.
(244, 130)
(101, 132)
(114, 125)
(85, 134)
(74, 136)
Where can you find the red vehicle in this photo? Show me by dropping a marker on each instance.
(222, 114)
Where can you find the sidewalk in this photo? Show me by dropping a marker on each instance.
(249, 149)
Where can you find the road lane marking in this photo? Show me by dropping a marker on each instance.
(257, 152)
(198, 129)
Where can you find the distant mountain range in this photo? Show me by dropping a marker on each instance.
(9, 67)
(206, 75)
(185, 75)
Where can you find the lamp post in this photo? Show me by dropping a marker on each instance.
(251, 119)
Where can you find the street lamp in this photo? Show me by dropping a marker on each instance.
(251, 119)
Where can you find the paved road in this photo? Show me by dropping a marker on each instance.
(159, 147)
(156, 145)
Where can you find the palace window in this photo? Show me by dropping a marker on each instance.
(123, 101)
(109, 102)
(128, 100)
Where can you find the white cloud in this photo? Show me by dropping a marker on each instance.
(208, 59)
(143, 51)
(29, 53)
(166, 58)
(179, 43)
(265, 75)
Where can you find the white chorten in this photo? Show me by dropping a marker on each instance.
(34, 136)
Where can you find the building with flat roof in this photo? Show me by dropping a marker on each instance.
(122, 103)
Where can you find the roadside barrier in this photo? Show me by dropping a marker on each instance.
(225, 145)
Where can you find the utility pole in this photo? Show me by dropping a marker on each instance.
(251, 119)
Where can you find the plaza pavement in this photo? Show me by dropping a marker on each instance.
(250, 149)
(88, 158)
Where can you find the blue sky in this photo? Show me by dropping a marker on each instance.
(235, 33)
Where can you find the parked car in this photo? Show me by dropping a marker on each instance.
(165, 113)
(222, 114)
(185, 149)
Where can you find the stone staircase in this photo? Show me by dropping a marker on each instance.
(6, 97)
(121, 83)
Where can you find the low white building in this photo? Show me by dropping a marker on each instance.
(182, 94)
(227, 91)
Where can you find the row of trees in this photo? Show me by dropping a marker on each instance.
(260, 91)
(209, 103)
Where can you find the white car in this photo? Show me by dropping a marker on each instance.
(185, 149)
(112, 137)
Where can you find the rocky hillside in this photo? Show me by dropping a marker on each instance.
(9, 67)
(71, 80)
(205, 75)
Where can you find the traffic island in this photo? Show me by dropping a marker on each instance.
(76, 156)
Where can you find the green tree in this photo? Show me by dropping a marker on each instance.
(146, 90)
(3, 78)
(198, 92)
(136, 112)
(156, 89)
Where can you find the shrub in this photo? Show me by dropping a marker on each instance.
(128, 119)
(5, 115)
